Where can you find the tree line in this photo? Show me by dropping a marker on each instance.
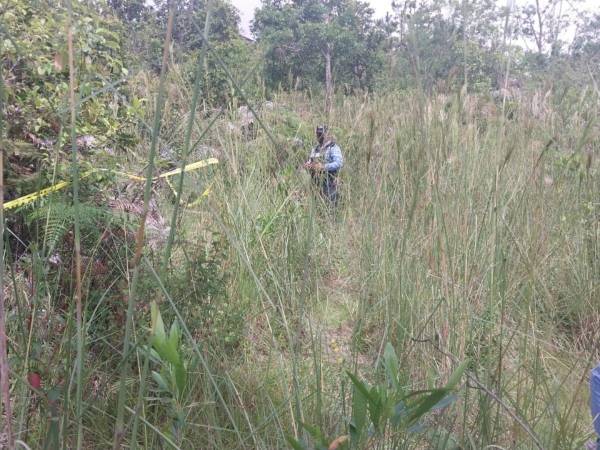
(310, 44)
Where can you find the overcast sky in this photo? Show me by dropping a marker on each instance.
(247, 7)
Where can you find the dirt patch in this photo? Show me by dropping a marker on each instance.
(337, 346)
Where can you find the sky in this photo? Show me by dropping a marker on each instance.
(381, 7)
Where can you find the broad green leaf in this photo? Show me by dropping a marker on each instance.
(107, 33)
(457, 375)
(52, 437)
(157, 326)
(390, 361)
(359, 416)
(171, 352)
(180, 416)
(376, 406)
(443, 403)
(162, 384)
(180, 378)
(362, 387)
(426, 404)
(437, 397)
(112, 45)
(54, 394)
(174, 335)
(374, 399)
(160, 346)
(419, 392)
(400, 412)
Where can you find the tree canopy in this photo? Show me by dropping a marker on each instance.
(298, 36)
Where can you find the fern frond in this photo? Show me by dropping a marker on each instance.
(56, 218)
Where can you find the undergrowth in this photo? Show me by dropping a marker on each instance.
(449, 302)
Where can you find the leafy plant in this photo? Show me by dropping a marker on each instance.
(386, 411)
(55, 219)
(199, 288)
(34, 53)
(171, 379)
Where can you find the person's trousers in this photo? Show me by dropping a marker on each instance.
(595, 400)
(330, 191)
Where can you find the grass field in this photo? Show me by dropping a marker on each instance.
(468, 232)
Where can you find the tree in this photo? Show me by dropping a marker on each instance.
(543, 21)
(190, 16)
(429, 42)
(33, 58)
(130, 10)
(311, 41)
(587, 39)
(147, 22)
(147, 25)
(448, 42)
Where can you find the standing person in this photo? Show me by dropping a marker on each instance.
(595, 403)
(324, 164)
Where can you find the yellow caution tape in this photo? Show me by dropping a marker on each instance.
(171, 187)
(41, 193)
(29, 198)
(196, 202)
(123, 174)
(190, 167)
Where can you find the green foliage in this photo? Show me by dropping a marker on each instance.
(35, 55)
(191, 14)
(501, 228)
(441, 41)
(130, 11)
(147, 25)
(386, 411)
(35, 63)
(239, 57)
(296, 36)
(587, 41)
(55, 219)
(172, 380)
(198, 285)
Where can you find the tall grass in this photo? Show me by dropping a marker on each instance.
(140, 235)
(188, 135)
(4, 367)
(462, 234)
(77, 230)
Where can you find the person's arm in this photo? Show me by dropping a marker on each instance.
(309, 162)
(338, 160)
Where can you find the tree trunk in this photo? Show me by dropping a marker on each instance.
(556, 32)
(328, 81)
(539, 37)
(465, 35)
